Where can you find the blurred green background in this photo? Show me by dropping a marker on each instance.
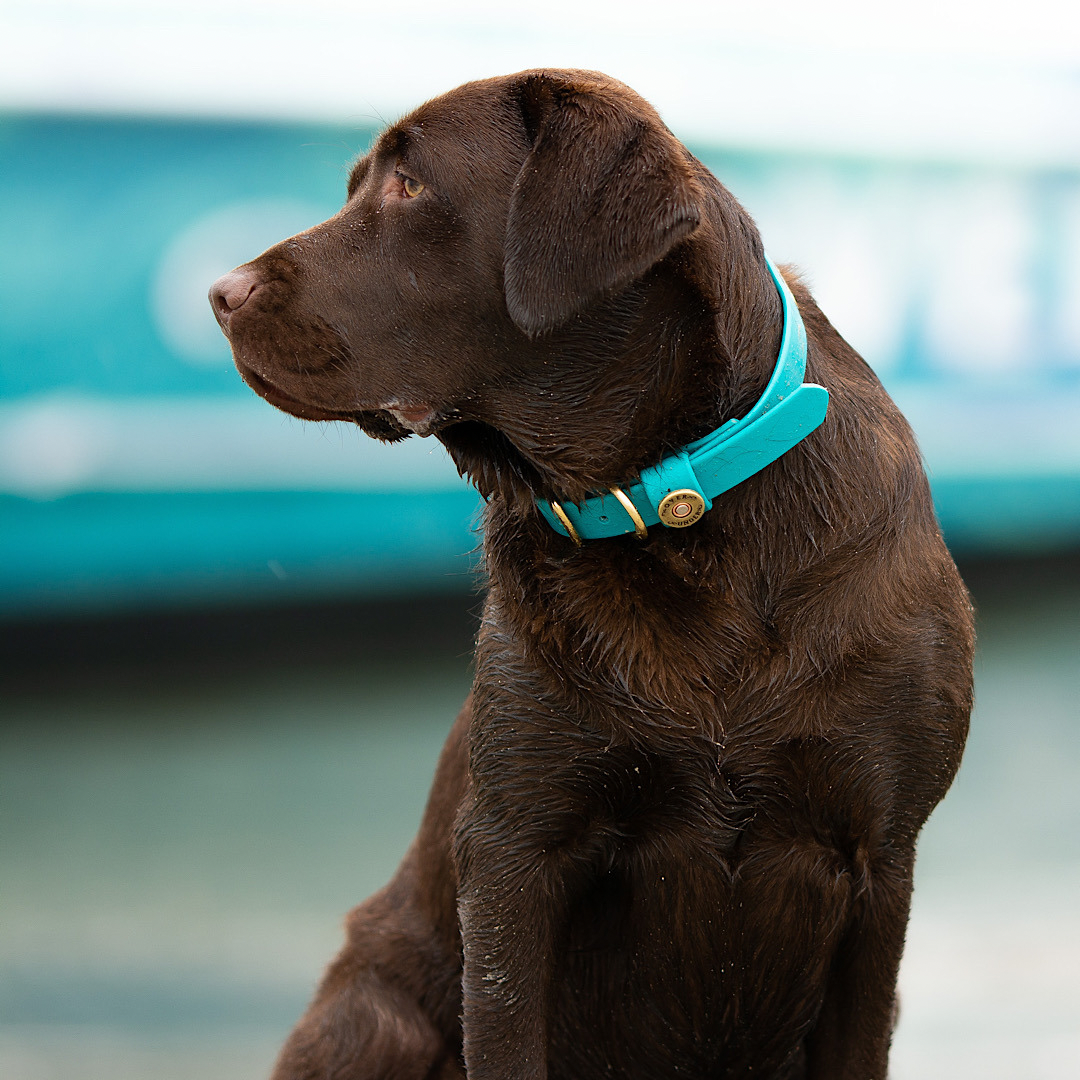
(231, 643)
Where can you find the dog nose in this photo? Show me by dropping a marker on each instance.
(231, 291)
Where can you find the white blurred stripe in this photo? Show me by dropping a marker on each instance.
(952, 80)
(965, 434)
(55, 445)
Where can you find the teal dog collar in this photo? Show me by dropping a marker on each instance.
(678, 490)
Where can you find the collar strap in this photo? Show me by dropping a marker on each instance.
(679, 490)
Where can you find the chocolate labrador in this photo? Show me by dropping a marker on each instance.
(724, 668)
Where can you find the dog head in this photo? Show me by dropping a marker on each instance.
(512, 271)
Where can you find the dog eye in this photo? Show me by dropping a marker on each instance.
(412, 187)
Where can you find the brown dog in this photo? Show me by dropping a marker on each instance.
(673, 832)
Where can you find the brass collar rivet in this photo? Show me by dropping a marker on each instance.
(681, 508)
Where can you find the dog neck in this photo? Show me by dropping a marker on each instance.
(680, 488)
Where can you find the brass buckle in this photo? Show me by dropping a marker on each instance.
(640, 529)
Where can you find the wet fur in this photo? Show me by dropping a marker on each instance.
(672, 832)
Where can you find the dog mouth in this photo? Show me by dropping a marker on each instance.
(393, 420)
(293, 406)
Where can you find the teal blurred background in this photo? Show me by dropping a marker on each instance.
(136, 470)
(231, 642)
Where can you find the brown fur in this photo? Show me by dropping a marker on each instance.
(672, 833)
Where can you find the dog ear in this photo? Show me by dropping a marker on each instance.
(605, 193)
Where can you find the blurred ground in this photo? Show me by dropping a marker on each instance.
(191, 804)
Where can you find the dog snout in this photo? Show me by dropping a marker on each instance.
(231, 291)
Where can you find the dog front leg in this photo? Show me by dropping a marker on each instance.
(511, 908)
(851, 1038)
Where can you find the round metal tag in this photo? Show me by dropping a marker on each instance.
(681, 508)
